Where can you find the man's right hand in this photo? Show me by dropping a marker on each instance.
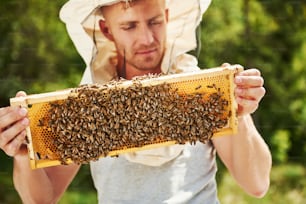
(13, 123)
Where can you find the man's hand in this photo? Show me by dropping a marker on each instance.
(249, 90)
(13, 123)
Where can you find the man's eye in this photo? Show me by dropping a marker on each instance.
(155, 22)
(128, 27)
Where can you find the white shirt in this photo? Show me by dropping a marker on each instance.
(189, 178)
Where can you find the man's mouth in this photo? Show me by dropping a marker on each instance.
(146, 51)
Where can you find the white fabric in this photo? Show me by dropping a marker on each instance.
(187, 179)
(81, 18)
(156, 156)
(81, 15)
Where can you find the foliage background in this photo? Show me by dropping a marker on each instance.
(36, 55)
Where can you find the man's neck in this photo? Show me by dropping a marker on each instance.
(135, 72)
(128, 71)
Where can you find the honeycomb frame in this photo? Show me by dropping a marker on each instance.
(40, 149)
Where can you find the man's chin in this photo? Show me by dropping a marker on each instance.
(149, 68)
(148, 65)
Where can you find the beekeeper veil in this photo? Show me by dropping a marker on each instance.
(82, 16)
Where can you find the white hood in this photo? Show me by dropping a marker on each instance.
(81, 18)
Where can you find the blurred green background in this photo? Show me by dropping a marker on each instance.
(36, 55)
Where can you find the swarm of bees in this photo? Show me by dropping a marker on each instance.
(97, 119)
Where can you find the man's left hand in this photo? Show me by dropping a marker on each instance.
(249, 90)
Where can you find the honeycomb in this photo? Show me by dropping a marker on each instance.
(41, 147)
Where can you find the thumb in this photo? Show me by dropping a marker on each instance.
(225, 64)
(21, 94)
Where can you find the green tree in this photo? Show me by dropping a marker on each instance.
(269, 35)
(36, 53)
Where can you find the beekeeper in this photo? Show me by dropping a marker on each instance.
(132, 38)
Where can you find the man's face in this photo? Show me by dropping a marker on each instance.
(139, 32)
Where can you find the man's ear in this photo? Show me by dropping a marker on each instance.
(105, 30)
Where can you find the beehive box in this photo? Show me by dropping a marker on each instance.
(82, 124)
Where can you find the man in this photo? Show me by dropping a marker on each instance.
(176, 174)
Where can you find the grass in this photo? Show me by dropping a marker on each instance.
(77, 197)
(81, 190)
(288, 185)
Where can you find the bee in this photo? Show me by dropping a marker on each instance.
(41, 122)
(211, 86)
(198, 87)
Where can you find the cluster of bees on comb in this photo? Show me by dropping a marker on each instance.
(98, 119)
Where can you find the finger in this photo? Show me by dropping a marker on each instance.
(238, 66)
(21, 94)
(249, 81)
(6, 110)
(10, 133)
(225, 64)
(246, 106)
(10, 115)
(250, 72)
(13, 147)
(250, 93)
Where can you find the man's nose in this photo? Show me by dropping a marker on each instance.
(146, 35)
